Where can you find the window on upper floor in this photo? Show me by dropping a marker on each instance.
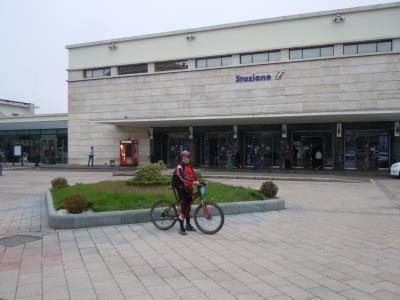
(171, 65)
(214, 62)
(132, 69)
(367, 47)
(101, 72)
(312, 52)
(253, 58)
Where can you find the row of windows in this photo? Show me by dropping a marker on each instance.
(249, 58)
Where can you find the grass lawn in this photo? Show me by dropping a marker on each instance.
(117, 195)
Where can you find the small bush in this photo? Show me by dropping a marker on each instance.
(269, 189)
(150, 172)
(59, 182)
(75, 203)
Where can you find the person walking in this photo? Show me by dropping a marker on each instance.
(91, 156)
(318, 159)
(1, 165)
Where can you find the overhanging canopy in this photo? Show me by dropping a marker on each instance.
(287, 118)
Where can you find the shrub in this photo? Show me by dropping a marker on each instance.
(150, 172)
(75, 203)
(269, 189)
(59, 182)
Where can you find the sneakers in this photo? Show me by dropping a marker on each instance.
(189, 227)
(182, 231)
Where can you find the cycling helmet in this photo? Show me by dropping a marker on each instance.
(185, 153)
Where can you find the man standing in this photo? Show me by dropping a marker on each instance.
(186, 179)
(91, 156)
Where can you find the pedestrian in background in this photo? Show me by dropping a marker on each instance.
(1, 165)
(91, 156)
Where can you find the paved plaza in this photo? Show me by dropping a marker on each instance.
(334, 241)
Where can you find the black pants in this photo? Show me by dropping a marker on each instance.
(185, 197)
(90, 160)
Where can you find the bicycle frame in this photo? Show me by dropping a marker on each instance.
(199, 194)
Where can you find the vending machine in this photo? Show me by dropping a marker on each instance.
(128, 153)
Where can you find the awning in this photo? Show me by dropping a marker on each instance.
(287, 118)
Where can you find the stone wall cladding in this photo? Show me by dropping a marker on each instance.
(354, 83)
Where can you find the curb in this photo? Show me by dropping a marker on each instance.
(142, 215)
(283, 178)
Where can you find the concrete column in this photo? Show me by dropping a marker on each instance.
(114, 71)
(285, 55)
(235, 59)
(191, 64)
(151, 68)
(338, 50)
(396, 45)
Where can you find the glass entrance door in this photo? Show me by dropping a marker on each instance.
(262, 149)
(217, 149)
(366, 150)
(176, 145)
(306, 147)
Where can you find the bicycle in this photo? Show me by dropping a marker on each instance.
(208, 216)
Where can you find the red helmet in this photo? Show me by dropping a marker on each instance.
(185, 153)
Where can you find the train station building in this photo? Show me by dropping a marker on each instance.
(255, 93)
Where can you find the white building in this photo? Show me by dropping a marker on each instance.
(259, 92)
(42, 138)
(15, 108)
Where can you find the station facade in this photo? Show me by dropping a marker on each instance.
(267, 93)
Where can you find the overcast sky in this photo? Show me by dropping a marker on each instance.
(34, 33)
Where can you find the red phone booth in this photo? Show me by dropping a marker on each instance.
(128, 153)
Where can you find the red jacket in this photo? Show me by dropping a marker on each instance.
(185, 174)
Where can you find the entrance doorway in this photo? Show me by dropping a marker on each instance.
(218, 150)
(366, 150)
(312, 150)
(262, 149)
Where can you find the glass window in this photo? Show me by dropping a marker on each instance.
(201, 63)
(214, 62)
(350, 49)
(311, 52)
(93, 73)
(171, 65)
(296, 54)
(385, 46)
(227, 60)
(132, 69)
(260, 57)
(274, 56)
(367, 48)
(246, 59)
(327, 51)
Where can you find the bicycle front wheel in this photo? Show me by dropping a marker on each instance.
(209, 218)
(163, 214)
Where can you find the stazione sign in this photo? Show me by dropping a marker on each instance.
(259, 77)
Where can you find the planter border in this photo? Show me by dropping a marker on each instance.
(72, 221)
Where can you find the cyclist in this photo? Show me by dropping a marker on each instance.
(186, 178)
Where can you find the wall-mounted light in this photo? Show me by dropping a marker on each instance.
(338, 19)
(151, 133)
(338, 130)
(190, 132)
(190, 37)
(112, 46)
(235, 131)
(284, 131)
(396, 128)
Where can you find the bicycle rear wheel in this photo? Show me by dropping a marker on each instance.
(209, 218)
(163, 214)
